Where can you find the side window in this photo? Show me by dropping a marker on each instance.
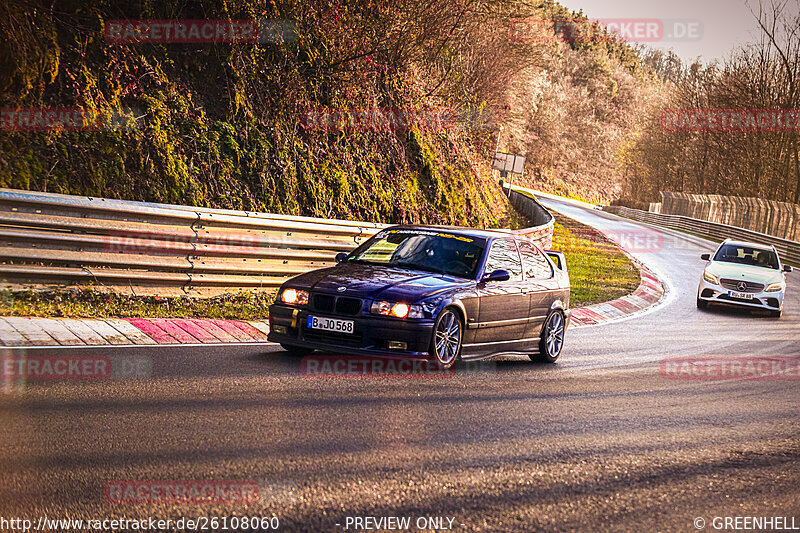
(504, 256)
(534, 263)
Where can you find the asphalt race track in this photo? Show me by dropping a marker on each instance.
(605, 440)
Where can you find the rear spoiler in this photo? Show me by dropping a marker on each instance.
(558, 258)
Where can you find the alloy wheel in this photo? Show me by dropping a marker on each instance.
(447, 338)
(554, 335)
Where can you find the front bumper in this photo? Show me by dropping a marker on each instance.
(371, 334)
(712, 293)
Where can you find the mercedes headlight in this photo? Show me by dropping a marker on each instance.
(711, 278)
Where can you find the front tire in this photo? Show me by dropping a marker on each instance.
(446, 340)
(776, 314)
(551, 342)
(702, 304)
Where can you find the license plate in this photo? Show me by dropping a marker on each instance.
(740, 295)
(330, 324)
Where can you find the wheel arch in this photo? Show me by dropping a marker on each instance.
(461, 311)
(558, 305)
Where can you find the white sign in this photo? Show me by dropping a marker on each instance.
(513, 163)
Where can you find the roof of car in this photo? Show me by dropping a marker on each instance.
(460, 230)
(748, 244)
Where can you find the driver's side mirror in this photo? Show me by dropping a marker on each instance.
(787, 268)
(341, 256)
(497, 275)
(705, 257)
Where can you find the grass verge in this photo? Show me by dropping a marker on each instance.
(87, 302)
(598, 270)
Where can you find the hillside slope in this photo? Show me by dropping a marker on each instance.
(237, 125)
(417, 93)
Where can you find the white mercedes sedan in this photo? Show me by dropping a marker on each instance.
(744, 274)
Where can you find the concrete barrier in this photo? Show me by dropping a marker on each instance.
(524, 201)
(780, 219)
(788, 249)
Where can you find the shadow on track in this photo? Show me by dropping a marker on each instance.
(733, 311)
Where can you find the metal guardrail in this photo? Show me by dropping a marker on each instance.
(788, 250)
(142, 248)
(49, 239)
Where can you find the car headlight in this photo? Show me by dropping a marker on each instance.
(711, 278)
(774, 287)
(294, 297)
(397, 310)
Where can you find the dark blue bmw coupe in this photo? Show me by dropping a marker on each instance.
(434, 292)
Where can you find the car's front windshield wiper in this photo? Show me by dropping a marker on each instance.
(414, 266)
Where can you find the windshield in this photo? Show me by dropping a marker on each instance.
(746, 255)
(427, 250)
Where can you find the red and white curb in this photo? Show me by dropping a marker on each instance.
(650, 292)
(24, 331)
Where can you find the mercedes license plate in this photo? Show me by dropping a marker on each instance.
(740, 295)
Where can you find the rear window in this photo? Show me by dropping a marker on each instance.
(534, 263)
